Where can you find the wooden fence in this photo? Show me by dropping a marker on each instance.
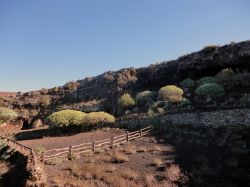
(92, 146)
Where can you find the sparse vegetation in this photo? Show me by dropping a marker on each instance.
(6, 115)
(157, 162)
(119, 157)
(171, 93)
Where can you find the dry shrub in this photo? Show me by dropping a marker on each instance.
(157, 162)
(173, 173)
(110, 168)
(119, 157)
(129, 149)
(149, 180)
(156, 148)
(142, 149)
(128, 173)
(106, 158)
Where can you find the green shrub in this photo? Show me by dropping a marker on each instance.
(98, 118)
(188, 83)
(205, 80)
(226, 78)
(171, 94)
(212, 90)
(7, 114)
(125, 101)
(143, 97)
(65, 118)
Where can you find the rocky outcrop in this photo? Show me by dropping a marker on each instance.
(105, 88)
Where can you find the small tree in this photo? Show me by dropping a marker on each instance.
(171, 93)
(98, 118)
(6, 115)
(125, 101)
(65, 118)
(205, 80)
(188, 83)
(212, 90)
(143, 97)
(226, 78)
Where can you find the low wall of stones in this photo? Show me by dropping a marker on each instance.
(227, 128)
(212, 118)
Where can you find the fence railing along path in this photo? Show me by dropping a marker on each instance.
(92, 146)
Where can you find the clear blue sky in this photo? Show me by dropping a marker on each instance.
(45, 43)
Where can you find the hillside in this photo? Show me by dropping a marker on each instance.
(101, 92)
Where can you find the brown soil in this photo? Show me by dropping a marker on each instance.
(140, 165)
(161, 164)
(65, 141)
(7, 93)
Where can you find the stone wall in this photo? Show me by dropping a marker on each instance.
(212, 118)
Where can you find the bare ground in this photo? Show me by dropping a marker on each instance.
(65, 141)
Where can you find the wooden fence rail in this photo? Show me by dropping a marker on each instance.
(92, 146)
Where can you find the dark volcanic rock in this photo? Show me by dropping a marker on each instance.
(101, 92)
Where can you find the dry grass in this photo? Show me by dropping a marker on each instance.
(141, 149)
(173, 173)
(149, 180)
(155, 148)
(119, 157)
(129, 149)
(128, 173)
(157, 162)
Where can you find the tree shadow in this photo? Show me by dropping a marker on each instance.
(54, 132)
(16, 176)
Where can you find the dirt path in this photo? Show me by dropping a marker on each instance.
(65, 141)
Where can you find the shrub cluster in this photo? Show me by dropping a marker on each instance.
(171, 94)
(143, 97)
(98, 118)
(226, 78)
(205, 80)
(6, 115)
(67, 118)
(125, 101)
(212, 90)
(188, 83)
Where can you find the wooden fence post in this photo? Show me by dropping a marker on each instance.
(43, 154)
(127, 137)
(93, 146)
(112, 141)
(70, 152)
(140, 133)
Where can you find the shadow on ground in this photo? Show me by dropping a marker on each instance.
(207, 165)
(16, 175)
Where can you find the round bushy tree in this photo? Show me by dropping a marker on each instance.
(98, 118)
(6, 115)
(188, 83)
(212, 90)
(226, 78)
(65, 118)
(205, 80)
(143, 97)
(125, 101)
(171, 93)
